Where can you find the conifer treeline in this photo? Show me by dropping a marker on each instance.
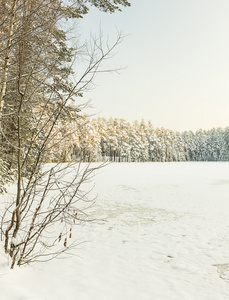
(117, 140)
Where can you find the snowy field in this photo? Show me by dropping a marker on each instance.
(162, 234)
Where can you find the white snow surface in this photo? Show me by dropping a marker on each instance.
(163, 233)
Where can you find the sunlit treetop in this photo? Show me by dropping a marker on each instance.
(76, 9)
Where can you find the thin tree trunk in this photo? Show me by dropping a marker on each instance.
(7, 57)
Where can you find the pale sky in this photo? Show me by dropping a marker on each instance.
(176, 60)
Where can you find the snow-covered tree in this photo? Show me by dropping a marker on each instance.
(37, 83)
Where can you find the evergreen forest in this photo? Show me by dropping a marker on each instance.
(99, 139)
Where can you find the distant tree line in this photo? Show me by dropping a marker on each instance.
(92, 140)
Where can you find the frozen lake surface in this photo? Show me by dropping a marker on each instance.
(162, 234)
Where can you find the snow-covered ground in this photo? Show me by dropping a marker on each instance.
(163, 233)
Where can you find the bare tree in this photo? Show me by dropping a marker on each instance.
(37, 87)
